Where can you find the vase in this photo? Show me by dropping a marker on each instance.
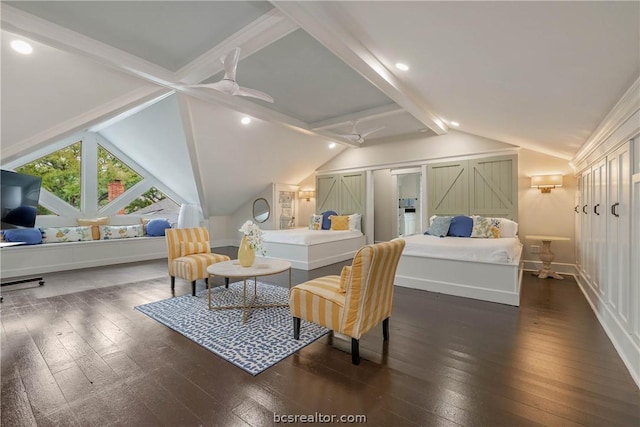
(246, 255)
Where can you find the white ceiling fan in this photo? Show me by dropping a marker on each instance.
(228, 83)
(358, 137)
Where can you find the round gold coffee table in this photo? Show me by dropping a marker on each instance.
(233, 269)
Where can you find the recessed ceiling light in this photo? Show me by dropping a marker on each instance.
(332, 145)
(454, 124)
(245, 120)
(401, 66)
(22, 47)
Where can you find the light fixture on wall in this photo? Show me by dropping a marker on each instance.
(546, 182)
(307, 195)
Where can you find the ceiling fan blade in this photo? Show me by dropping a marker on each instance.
(225, 86)
(364, 135)
(351, 137)
(230, 63)
(245, 91)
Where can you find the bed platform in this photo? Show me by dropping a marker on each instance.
(492, 273)
(308, 249)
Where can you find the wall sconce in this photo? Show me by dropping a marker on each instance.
(546, 182)
(307, 194)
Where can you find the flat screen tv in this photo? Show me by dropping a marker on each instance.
(19, 195)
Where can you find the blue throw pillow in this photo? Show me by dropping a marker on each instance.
(156, 227)
(326, 222)
(30, 236)
(461, 226)
(440, 226)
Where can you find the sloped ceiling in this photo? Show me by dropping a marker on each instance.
(540, 75)
(56, 92)
(235, 161)
(155, 138)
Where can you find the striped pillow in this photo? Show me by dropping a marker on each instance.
(191, 248)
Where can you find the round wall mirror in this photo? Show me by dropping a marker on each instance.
(261, 210)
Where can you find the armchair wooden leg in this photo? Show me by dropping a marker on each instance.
(173, 282)
(385, 329)
(296, 328)
(226, 282)
(355, 351)
(193, 288)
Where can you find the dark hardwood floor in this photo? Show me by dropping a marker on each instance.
(75, 353)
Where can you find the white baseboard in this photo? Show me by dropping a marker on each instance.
(628, 351)
(532, 265)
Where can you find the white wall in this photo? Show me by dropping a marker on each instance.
(414, 149)
(384, 215)
(550, 213)
(306, 209)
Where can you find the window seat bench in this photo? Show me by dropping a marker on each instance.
(28, 260)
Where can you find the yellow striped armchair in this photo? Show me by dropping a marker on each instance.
(189, 253)
(354, 302)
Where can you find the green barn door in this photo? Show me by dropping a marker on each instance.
(352, 193)
(493, 187)
(448, 185)
(327, 197)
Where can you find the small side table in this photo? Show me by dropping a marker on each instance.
(546, 256)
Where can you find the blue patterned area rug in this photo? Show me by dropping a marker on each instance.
(263, 341)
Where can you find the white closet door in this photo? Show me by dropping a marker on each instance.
(597, 211)
(585, 223)
(619, 230)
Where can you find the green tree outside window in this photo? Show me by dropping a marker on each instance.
(60, 173)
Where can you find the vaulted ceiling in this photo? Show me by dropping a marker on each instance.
(540, 75)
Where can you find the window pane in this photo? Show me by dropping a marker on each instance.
(153, 201)
(114, 177)
(60, 173)
(44, 211)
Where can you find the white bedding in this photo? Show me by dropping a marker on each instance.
(304, 236)
(504, 250)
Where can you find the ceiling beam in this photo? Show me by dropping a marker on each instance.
(38, 29)
(360, 116)
(267, 29)
(322, 21)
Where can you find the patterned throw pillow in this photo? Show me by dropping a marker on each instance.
(191, 248)
(111, 232)
(439, 226)
(66, 234)
(494, 230)
(316, 222)
(481, 227)
(339, 222)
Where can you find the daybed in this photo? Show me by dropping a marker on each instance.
(487, 269)
(328, 239)
(308, 249)
(46, 258)
(85, 247)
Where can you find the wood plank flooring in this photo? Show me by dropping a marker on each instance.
(75, 353)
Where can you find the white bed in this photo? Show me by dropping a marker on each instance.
(308, 249)
(485, 269)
